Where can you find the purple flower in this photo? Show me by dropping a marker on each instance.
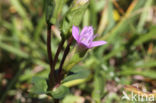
(86, 37)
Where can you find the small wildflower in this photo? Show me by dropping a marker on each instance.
(86, 37)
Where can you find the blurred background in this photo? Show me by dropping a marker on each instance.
(129, 58)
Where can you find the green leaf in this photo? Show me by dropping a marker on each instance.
(22, 12)
(123, 25)
(74, 82)
(13, 50)
(60, 92)
(73, 17)
(145, 73)
(144, 16)
(39, 28)
(57, 11)
(71, 99)
(145, 64)
(98, 88)
(39, 85)
(72, 59)
(100, 5)
(111, 22)
(49, 6)
(93, 13)
(78, 73)
(146, 37)
(114, 52)
(86, 18)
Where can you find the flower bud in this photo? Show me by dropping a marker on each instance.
(74, 57)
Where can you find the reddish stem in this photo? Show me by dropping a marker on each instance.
(67, 49)
(52, 70)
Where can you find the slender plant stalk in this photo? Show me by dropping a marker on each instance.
(64, 57)
(57, 54)
(52, 75)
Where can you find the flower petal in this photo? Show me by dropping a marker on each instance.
(87, 29)
(97, 43)
(75, 32)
